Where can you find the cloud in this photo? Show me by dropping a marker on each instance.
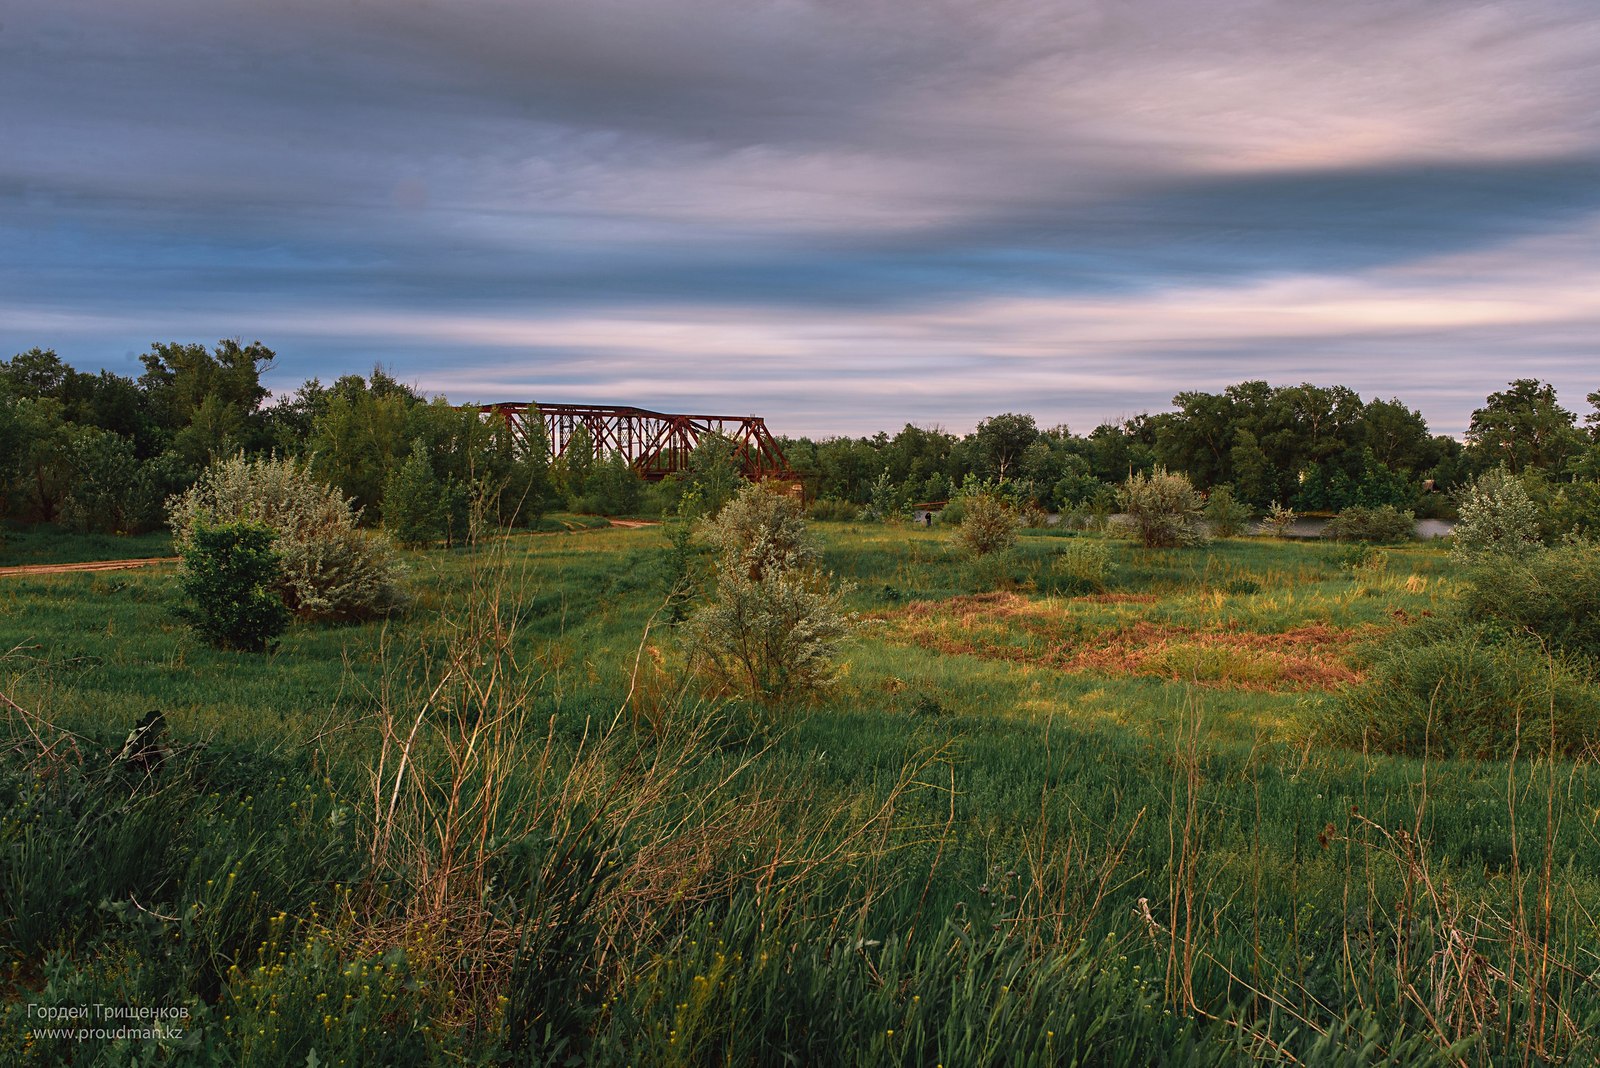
(853, 213)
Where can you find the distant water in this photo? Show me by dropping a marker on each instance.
(1427, 529)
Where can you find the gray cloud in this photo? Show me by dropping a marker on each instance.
(439, 185)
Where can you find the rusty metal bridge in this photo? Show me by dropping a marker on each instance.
(655, 444)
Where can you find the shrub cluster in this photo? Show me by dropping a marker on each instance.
(1083, 566)
(332, 570)
(1384, 525)
(988, 524)
(1227, 515)
(1463, 691)
(229, 577)
(775, 624)
(1514, 664)
(1497, 516)
(1164, 509)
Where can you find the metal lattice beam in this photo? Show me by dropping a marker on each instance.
(655, 444)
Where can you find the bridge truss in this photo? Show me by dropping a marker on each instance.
(655, 444)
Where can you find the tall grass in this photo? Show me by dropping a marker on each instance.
(512, 833)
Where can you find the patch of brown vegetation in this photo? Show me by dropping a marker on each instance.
(966, 607)
(1118, 598)
(1303, 658)
(1007, 626)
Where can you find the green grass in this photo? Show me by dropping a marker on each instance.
(998, 860)
(55, 545)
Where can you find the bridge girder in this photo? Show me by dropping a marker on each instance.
(655, 444)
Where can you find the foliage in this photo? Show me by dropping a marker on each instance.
(1278, 520)
(230, 577)
(988, 524)
(415, 510)
(331, 570)
(1227, 516)
(1465, 691)
(613, 488)
(760, 530)
(1524, 428)
(112, 492)
(1497, 516)
(1373, 485)
(1084, 565)
(775, 624)
(711, 475)
(886, 502)
(1569, 509)
(1384, 524)
(827, 509)
(1164, 508)
(999, 444)
(1551, 595)
(680, 558)
(954, 513)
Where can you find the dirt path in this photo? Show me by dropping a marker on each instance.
(633, 524)
(91, 565)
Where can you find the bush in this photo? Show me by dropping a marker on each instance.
(1226, 514)
(331, 570)
(1164, 509)
(1031, 517)
(1497, 517)
(1552, 595)
(1460, 691)
(229, 576)
(1278, 520)
(953, 513)
(828, 509)
(988, 524)
(760, 530)
(1384, 524)
(1084, 566)
(775, 625)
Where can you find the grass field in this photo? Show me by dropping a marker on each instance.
(1035, 822)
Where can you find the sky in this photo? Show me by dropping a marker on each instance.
(843, 215)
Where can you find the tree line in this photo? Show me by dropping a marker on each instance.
(1307, 447)
(103, 451)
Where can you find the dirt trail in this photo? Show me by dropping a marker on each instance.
(633, 524)
(89, 565)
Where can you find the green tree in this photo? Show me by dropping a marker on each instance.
(414, 506)
(359, 437)
(711, 474)
(43, 463)
(574, 465)
(526, 487)
(1524, 428)
(110, 491)
(615, 488)
(999, 443)
(217, 392)
(1226, 515)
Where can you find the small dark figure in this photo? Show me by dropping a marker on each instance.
(144, 751)
(927, 518)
